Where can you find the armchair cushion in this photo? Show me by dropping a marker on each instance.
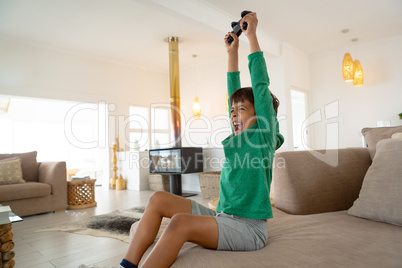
(380, 197)
(28, 190)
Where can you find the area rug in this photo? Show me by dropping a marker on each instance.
(116, 224)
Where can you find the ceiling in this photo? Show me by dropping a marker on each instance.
(131, 32)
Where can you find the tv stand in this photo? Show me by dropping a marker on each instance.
(175, 186)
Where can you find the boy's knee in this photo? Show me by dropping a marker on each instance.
(132, 229)
(157, 197)
(178, 223)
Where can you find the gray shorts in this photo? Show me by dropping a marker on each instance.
(236, 233)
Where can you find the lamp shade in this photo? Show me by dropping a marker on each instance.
(347, 68)
(196, 108)
(358, 74)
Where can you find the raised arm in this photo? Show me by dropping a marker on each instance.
(233, 53)
(264, 110)
(233, 75)
(251, 31)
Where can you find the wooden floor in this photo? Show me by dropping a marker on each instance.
(61, 249)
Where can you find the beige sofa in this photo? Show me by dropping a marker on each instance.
(320, 218)
(44, 189)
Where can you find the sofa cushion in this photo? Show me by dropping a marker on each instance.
(29, 165)
(374, 135)
(22, 191)
(10, 171)
(380, 198)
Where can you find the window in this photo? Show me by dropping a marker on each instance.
(149, 127)
(41, 125)
(139, 127)
(299, 113)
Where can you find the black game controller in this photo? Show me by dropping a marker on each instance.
(236, 26)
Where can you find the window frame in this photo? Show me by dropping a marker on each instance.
(151, 128)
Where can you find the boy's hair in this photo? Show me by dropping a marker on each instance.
(246, 93)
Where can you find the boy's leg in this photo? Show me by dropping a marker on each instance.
(202, 230)
(161, 204)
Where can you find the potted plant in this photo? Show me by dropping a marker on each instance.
(400, 116)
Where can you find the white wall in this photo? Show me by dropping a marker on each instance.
(296, 74)
(33, 71)
(379, 99)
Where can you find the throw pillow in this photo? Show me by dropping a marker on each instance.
(397, 135)
(380, 197)
(374, 135)
(10, 171)
(29, 165)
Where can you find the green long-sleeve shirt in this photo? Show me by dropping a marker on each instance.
(247, 172)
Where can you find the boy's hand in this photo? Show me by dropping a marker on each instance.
(252, 22)
(251, 31)
(232, 47)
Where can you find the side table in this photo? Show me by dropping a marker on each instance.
(81, 194)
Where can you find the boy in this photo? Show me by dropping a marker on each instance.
(240, 222)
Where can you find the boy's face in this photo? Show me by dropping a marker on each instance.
(242, 116)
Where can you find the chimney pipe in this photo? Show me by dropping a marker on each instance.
(174, 88)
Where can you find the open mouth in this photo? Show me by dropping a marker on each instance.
(238, 127)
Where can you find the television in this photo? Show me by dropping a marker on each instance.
(176, 161)
(180, 160)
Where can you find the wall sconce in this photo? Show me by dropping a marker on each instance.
(196, 104)
(352, 70)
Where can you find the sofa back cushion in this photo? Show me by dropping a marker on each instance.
(374, 135)
(10, 171)
(380, 198)
(29, 165)
(304, 184)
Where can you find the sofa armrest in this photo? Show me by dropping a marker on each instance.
(303, 184)
(54, 173)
